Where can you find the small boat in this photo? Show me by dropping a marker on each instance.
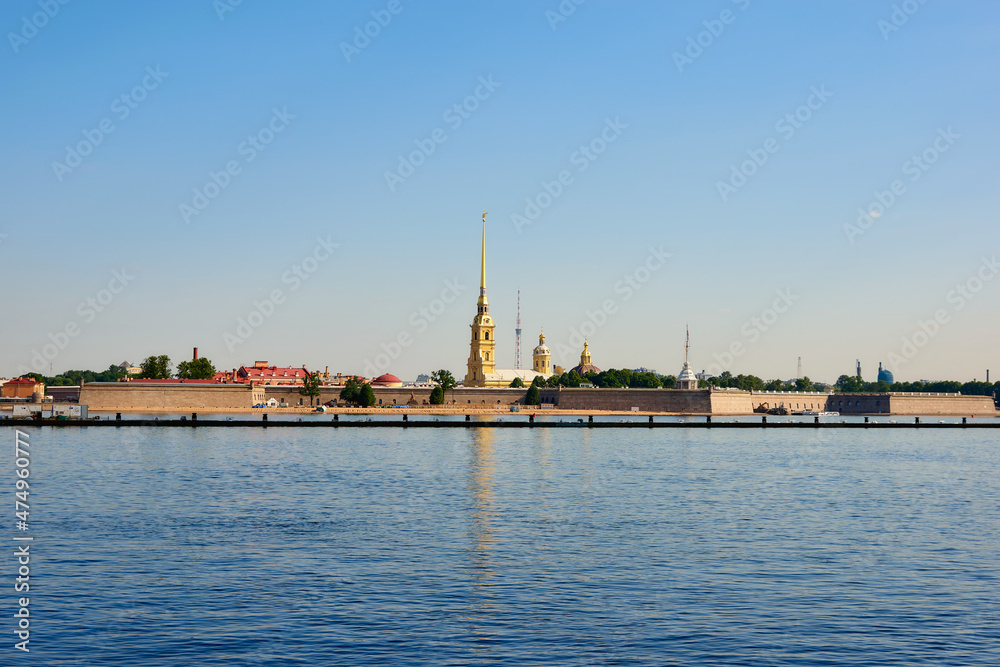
(814, 413)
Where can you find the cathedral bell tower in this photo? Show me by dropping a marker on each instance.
(542, 357)
(482, 358)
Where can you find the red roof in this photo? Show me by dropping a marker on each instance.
(23, 381)
(272, 373)
(386, 379)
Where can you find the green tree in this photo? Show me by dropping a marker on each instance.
(437, 395)
(310, 387)
(804, 384)
(850, 384)
(351, 391)
(366, 398)
(533, 396)
(445, 379)
(645, 380)
(517, 383)
(774, 385)
(156, 368)
(198, 369)
(113, 374)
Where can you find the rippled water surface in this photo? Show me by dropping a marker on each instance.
(466, 547)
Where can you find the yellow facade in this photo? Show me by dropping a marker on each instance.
(482, 348)
(542, 357)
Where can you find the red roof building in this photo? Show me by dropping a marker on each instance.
(261, 373)
(22, 387)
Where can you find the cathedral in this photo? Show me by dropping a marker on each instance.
(482, 370)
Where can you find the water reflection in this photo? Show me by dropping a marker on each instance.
(483, 538)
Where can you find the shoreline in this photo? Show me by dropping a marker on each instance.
(440, 411)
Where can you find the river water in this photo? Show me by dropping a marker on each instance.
(388, 546)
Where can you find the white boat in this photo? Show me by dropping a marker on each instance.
(813, 413)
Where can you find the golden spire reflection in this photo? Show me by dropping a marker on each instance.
(482, 533)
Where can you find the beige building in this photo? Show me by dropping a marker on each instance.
(23, 387)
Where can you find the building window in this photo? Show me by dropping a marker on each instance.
(486, 335)
(475, 335)
(487, 354)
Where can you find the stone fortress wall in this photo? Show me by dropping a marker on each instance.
(139, 395)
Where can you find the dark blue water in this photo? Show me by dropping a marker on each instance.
(455, 547)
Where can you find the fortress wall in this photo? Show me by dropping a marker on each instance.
(859, 404)
(696, 401)
(193, 397)
(403, 395)
(931, 404)
(793, 400)
(732, 403)
(137, 396)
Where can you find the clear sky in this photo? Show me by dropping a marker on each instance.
(791, 179)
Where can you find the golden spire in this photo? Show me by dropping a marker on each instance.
(687, 342)
(484, 304)
(482, 265)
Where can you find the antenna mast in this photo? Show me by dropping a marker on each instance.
(517, 333)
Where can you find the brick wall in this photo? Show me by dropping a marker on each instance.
(138, 396)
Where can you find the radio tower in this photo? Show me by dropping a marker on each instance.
(517, 334)
(798, 374)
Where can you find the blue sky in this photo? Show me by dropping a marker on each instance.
(739, 138)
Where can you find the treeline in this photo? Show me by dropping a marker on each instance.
(613, 377)
(753, 383)
(71, 378)
(153, 368)
(854, 384)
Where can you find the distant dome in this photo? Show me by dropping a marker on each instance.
(884, 375)
(387, 380)
(585, 365)
(542, 347)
